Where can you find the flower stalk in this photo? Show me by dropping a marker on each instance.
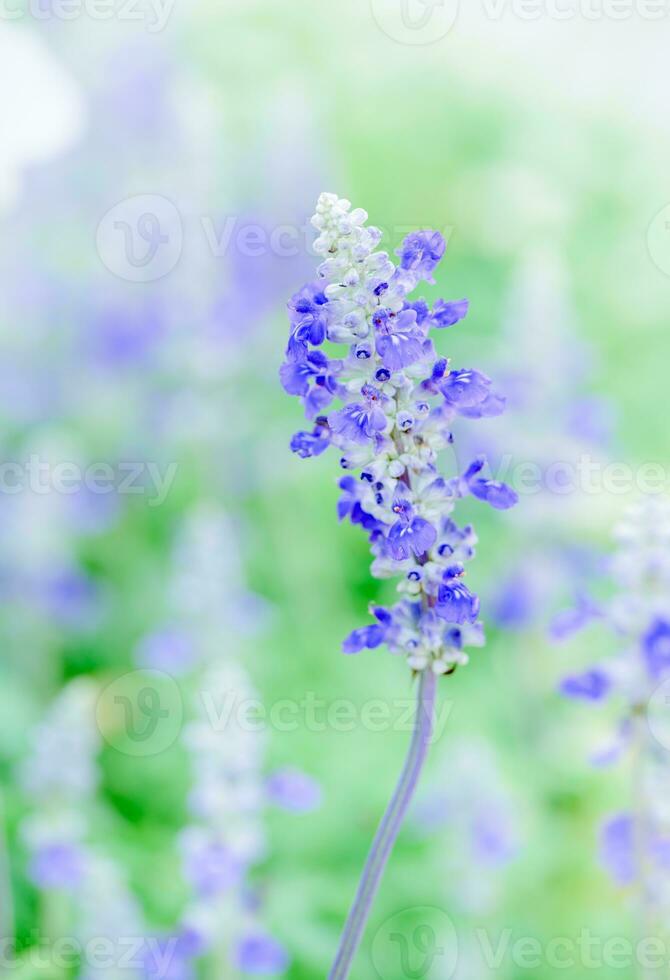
(389, 828)
(634, 843)
(388, 405)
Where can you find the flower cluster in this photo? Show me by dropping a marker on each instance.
(636, 845)
(470, 803)
(225, 839)
(639, 613)
(60, 778)
(107, 907)
(551, 425)
(397, 402)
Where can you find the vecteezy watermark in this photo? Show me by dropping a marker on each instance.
(563, 10)
(140, 239)
(41, 955)
(423, 943)
(228, 712)
(658, 239)
(253, 240)
(415, 22)
(582, 475)
(583, 952)
(154, 14)
(43, 477)
(418, 943)
(141, 713)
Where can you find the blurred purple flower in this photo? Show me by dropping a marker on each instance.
(513, 606)
(261, 954)
(294, 790)
(168, 958)
(592, 685)
(570, 621)
(133, 104)
(492, 838)
(91, 512)
(212, 868)
(123, 336)
(610, 754)
(57, 866)
(656, 648)
(169, 650)
(591, 419)
(70, 597)
(617, 848)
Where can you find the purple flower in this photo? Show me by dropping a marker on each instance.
(661, 852)
(370, 637)
(297, 373)
(465, 389)
(168, 650)
(492, 406)
(447, 314)
(58, 866)
(349, 505)
(514, 604)
(431, 385)
(259, 953)
(591, 419)
(421, 252)
(168, 958)
(410, 535)
(592, 685)
(212, 868)
(492, 839)
(125, 337)
(656, 648)
(617, 848)
(71, 597)
(306, 444)
(360, 422)
(349, 498)
(94, 513)
(570, 621)
(294, 790)
(322, 382)
(422, 310)
(493, 492)
(456, 604)
(308, 315)
(399, 342)
(397, 404)
(367, 637)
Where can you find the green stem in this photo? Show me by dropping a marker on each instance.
(388, 829)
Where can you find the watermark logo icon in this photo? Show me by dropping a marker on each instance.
(141, 713)
(415, 22)
(141, 239)
(417, 944)
(658, 240)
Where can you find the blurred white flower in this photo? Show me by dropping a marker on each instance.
(41, 108)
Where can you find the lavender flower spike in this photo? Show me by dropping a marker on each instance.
(634, 843)
(387, 405)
